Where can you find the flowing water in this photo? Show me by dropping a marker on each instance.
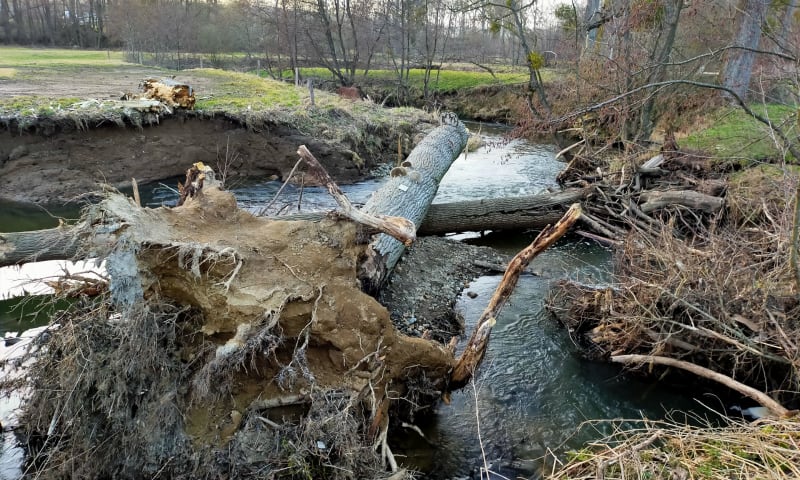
(533, 390)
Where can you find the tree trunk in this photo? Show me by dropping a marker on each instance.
(513, 213)
(739, 62)
(408, 194)
(37, 246)
(689, 198)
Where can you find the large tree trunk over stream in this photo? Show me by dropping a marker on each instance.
(408, 194)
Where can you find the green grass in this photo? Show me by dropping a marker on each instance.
(34, 105)
(237, 91)
(8, 72)
(734, 136)
(51, 57)
(442, 81)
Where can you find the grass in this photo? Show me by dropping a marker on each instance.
(767, 449)
(442, 81)
(7, 72)
(237, 91)
(733, 135)
(53, 57)
(34, 105)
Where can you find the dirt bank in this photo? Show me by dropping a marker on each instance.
(62, 165)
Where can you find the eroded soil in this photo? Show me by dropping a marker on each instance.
(62, 167)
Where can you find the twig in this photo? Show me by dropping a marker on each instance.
(278, 193)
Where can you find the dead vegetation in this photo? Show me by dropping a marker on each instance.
(721, 296)
(711, 293)
(666, 450)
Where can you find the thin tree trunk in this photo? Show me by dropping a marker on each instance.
(739, 61)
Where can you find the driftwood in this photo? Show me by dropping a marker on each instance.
(654, 200)
(476, 347)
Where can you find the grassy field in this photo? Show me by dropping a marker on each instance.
(732, 135)
(54, 57)
(441, 81)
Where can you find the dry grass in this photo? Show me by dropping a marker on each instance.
(665, 450)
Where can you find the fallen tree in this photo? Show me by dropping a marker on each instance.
(226, 345)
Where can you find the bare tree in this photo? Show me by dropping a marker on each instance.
(739, 62)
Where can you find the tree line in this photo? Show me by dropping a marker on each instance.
(609, 47)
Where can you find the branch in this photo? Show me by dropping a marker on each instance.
(398, 227)
(476, 347)
(751, 392)
(793, 149)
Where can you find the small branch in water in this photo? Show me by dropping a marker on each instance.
(751, 392)
(476, 347)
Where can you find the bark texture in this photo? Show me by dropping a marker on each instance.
(739, 62)
(408, 194)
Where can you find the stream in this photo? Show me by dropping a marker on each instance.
(533, 390)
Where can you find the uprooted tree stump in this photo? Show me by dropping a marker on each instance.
(226, 345)
(232, 345)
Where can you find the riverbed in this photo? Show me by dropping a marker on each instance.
(533, 389)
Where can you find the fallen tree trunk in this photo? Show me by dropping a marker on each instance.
(654, 200)
(37, 246)
(408, 193)
(512, 213)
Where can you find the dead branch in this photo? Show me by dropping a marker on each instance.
(751, 392)
(398, 227)
(476, 347)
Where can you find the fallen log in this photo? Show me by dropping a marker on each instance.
(512, 213)
(408, 193)
(58, 243)
(654, 200)
(509, 213)
(476, 346)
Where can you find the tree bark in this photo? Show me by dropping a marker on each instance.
(512, 213)
(689, 198)
(739, 61)
(36, 246)
(408, 193)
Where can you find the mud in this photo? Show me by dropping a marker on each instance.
(62, 166)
